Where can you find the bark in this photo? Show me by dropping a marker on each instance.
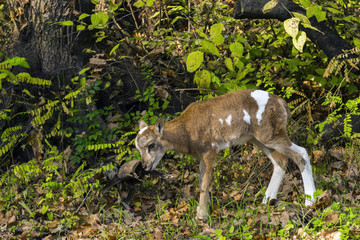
(49, 48)
(327, 40)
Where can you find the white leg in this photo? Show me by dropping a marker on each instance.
(277, 175)
(309, 186)
(274, 185)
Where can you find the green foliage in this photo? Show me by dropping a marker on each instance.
(66, 130)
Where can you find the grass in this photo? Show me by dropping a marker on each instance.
(166, 208)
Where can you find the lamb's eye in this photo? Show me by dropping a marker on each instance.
(151, 146)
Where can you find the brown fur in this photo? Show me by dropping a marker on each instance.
(203, 132)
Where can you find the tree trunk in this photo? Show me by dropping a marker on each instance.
(49, 48)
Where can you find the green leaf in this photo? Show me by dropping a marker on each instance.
(139, 4)
(84, 15)
(291, 26)
(95, 20)
(238, 63)
(201, 33)
(44, 209)
(194, 60)
(305, 21)
(316, 11)
(149, 3)
(269, 6)
(83, 71)
(305, 3)
(209, 47)
(202, 78)
(17, 61)
(299, 41)
(357, 42)
(103, 17)
(237, 49)
(66, 23)
(301, 17)
(215, 33)
(229, 64)
(114, 48)
(80, 27)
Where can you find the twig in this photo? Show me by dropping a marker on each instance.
(82, 203)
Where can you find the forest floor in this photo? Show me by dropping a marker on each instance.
(165, 208)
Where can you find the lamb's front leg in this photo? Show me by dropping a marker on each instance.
(206, 166)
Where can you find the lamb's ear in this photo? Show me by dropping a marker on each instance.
(142, 125)
(159, 125)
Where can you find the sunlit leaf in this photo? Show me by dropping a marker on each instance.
(202, 78)
(114, 48)
(215, 33)
(269, 6)
(139, 3)
(209, 47)
(237, 49)
(194, 60)
(66, 23)
(299, 41)
(229, 64)
(291, 26)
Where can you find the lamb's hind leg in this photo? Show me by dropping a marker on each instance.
(279, 162)
(300, 156)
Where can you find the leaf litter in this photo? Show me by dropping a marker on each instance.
(165, 208)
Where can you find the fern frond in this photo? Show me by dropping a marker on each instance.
(72, 94)
(100, 146)
(39, 110)
(4, 66)
(25, 77)
(11, 142)
(55, 131)
(338, 62)
(9, 131)
(40, 120)
(300, 107)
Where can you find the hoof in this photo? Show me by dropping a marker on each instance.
(201, 214)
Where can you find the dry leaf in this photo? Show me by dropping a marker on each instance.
(323, 200)
(318, 154)
(329, 234)
(97, 61)
(337, 153)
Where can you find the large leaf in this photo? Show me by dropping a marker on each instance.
(237, 49)
(291, 26)
(202, 78)
(229, 64)
(316, 11)
(299, 41)
(269, 6)
(66, 23)
(215, 33)
(194, 60)
(305, 21)
(209, 47)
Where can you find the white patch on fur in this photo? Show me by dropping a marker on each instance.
(246, 118)
(223, 145)
(221, 121)
(261, 98)
(228, 120)
(213, 144)
(142, 130)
